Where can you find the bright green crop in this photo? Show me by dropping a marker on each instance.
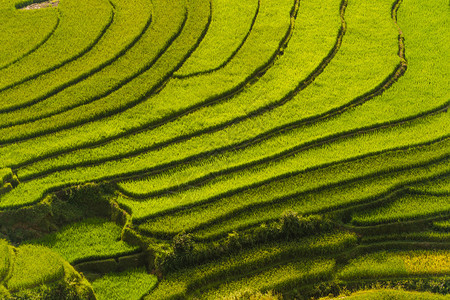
(388, 294)
(5, 259)
(331, 198)
(268, 84)
(281, 276)
(95, 239)
(409, 206)
(81, 26)
(254, 260)
(397, 264)
(49, 93)
(33, 266)
(394, 104)
(308, 159)
(231, 24)
(439, 186)
(219, 83)
(23, 32)
(153, 75)
(130, 284)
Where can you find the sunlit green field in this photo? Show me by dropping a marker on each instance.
(224, 149)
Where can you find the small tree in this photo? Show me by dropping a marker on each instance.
(290, 224)
(233, 241)
(182, 243)
(251, 294)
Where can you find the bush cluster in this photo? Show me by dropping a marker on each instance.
(250, 294)
(182, 243)
(293, 225)
(434, 285)
(61, 290)
(290, 226)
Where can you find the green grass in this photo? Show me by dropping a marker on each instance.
(243, 131)
(397, 264)
(131, 284)
(405, 207)
(52, 92)
(80, 27)
(95, 238)
(444, 225)
(302, 39)
(428, 236)
(30, 30)
(35, 272)
(219, 83)
(314, 113)
(5, 174)
(4, 292)
(439, 186)
(5, 259)
(132, 87)
(167, 52)
(33, 266)
(231, 23)
(281, 276)
(377, 141)
(305, 203)
(346, 149)
(251, 261)
(391, 106)
(391, 294)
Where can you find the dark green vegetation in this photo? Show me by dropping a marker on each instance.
(167, 149)
(392, 294)
(34, 272)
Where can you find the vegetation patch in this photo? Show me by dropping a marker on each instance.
(96, 238)
(391, 294)
(132, 284)
(224, 149)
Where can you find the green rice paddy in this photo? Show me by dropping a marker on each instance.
(213, 149)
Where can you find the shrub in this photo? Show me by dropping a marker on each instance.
(233, 242)
(293, 225)
(182, 243)
(290, 224)
(250, 294)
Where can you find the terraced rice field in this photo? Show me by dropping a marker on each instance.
(209, 149)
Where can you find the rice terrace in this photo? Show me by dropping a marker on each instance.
(224, 149)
